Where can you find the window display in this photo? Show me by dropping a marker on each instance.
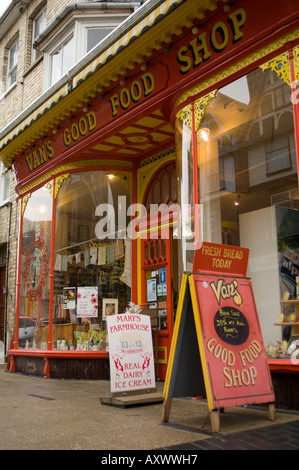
(92, 270)
(247, 180)
(87, 271)
(35, 268)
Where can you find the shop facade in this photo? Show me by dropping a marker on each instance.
(189, 132)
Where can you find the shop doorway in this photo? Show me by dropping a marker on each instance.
(2, 301)
(159, 261)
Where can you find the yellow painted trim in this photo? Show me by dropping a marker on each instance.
(164, 350)
(175, 335)
(257, 55)
(75, 165)
(200, 342)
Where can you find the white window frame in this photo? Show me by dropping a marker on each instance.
(78, 27)
(11, 69)
(62, 48)
(42, 15)
(4, 183)
(82, 27)
(55, 46)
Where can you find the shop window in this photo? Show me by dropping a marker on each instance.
(35, 270)
(91, 261)
(92, 267)
(248, 159)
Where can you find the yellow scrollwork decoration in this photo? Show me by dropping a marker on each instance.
(199, 111)
(280, 65)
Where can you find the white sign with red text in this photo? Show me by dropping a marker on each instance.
(130, 352)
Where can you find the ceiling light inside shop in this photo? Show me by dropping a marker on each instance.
(204, 134)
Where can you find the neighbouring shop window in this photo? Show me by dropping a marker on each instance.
(248, 186)
(35, 270)
(92, 270)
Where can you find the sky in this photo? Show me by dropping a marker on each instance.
(3, 5)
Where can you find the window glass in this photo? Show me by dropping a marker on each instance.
(39, 24)
(95, 35)
(184, 165)
(92, 263)
(12, 65)
(248, 186)
(62, 60)
(35, 270)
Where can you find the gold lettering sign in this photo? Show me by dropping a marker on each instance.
(39, 156)
(199, 49)
(142, 87)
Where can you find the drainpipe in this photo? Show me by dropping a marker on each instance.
(8, 204)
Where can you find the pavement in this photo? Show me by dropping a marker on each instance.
(49, 414)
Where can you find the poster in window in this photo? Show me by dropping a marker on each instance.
(69, 298)
(151, 289)
(87, 302)
(110, 307)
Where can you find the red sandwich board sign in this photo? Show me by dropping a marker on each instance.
(217, 348)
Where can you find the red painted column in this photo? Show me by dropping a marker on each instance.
(16, 340)
(134, 245)
(51, 270)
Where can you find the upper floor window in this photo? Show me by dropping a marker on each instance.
(4, 183)
(66, 46)
(62, 59)
(94, 36)
(12, 65)
(39, 24)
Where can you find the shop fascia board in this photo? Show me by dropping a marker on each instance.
(74, 99)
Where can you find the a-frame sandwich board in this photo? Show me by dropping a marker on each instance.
(217, 348)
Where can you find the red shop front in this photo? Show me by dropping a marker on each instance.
(198, 114)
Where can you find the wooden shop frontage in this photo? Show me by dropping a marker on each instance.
(183, 129)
